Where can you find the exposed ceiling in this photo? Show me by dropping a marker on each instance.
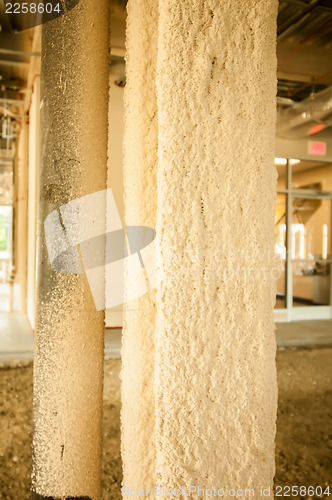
(304, 50)
(304, 47)
(15, 57)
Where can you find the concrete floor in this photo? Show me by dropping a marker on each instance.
(16, 337)
(9, 297)
(304, 333)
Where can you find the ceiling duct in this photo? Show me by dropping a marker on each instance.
(306, 117)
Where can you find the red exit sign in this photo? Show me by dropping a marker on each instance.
(317, 148)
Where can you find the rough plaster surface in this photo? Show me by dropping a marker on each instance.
(140, 167)
(68, 367)
(214, 377)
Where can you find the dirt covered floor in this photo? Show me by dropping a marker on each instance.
(304, 437)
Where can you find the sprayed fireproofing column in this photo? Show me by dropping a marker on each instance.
(215, 377)
(140, 170)
(68, 368)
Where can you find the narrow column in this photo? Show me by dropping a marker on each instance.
(68, 367)
(21, 207)
(34, 130)
(215, 387)
(140, 169)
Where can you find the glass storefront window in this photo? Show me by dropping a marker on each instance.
(310, 251)
(312, 175)
(280, 249)
(304, 201)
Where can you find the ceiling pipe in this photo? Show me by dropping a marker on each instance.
(307, 117)
(299, 20)
(308, 84)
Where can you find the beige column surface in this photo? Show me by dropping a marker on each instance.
(34, 130)
(214, 390)
(69, 354)
(140, 170)
(21, 207)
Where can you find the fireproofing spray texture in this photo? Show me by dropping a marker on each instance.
(215, 377)
(140, 164)
(68, 367)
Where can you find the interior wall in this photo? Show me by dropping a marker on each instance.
(321, 174)
(21, 214)
(113, 317)
(303, 286)
(115, 144)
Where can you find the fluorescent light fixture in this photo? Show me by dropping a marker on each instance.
(283, 161)
(280, 161)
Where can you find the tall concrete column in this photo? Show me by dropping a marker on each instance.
(214, 377)
(21, 211)
(34, 129)
(140, 170)
(68, 367)
(215, 386)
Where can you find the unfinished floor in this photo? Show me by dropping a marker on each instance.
(304, 425)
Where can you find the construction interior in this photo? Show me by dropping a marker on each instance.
(75, 114)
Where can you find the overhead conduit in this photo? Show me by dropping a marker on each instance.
(307, 117)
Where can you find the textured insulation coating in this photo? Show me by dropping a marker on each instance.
(140, 169)
(215, 376)
(199, 398)
(68, 368)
